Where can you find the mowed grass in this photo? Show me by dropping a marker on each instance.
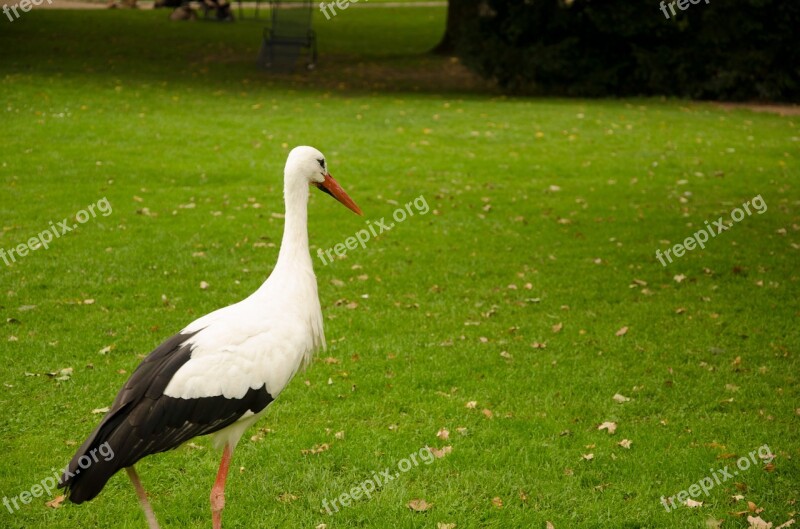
(174, 125)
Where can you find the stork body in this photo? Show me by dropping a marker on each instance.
(220, 373)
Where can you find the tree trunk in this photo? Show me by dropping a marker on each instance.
(457, 12)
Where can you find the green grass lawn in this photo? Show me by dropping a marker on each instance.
(545, 216)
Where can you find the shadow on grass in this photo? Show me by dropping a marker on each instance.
(369, 50)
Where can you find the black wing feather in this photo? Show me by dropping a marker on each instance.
(144, 421)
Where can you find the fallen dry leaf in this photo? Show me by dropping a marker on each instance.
(539, 345)
(56, 502)
(588, 457)
(557, 327)
(488, 413)
(419, 505)
(287, 497)
(610, 426)
(442, 525)
(443, 434)
(625, 443)
(439, 453)
(549, 525)
(316, 450)
(620, 398)
(471, 404)
(757, 523)
(691, 503)
(622, 332)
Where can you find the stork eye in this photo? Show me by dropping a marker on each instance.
(321, 162)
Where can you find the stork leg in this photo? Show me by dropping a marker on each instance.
(152, 523)
(218, 490)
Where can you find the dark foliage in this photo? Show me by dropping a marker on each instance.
(726, 49)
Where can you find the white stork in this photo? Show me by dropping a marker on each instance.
(220, 373)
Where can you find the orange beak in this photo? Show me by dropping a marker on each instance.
(332, 187)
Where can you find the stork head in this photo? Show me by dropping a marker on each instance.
(309, 164)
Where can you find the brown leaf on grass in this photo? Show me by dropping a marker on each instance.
(443, 434)
(56, 502)
(620, 398)
(331, 360)
(439, 453)
(442, 525)
(539, 345)
(287, 497)
(786, 524)
(625, 443)
(587, 457)
(488, 413)
(497, 502)
(608, 425)
(419, 505)
(557, 327)
(757, 523)
(471, 404)
(549, 525)
(691, 503)
(622, 332)
(316, 450)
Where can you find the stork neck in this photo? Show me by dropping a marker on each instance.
(294, 251)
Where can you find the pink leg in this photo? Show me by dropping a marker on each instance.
(218, 490)
(152, 523)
